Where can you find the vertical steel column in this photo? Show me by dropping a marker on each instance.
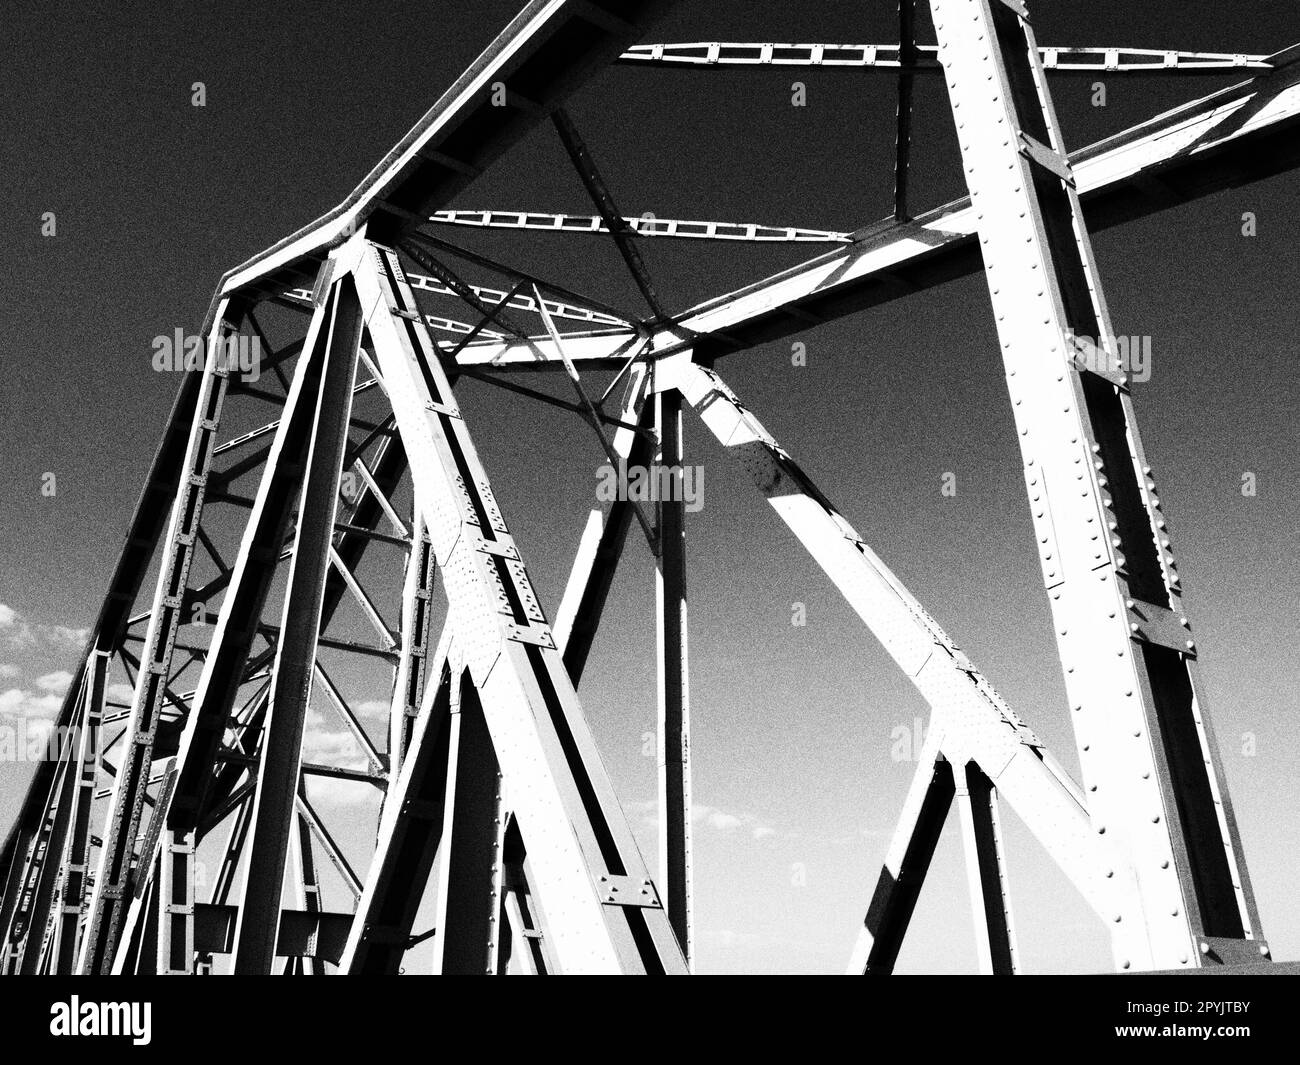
(470, 871)
(981, 835)
(1145, 745)
(281, 760)
(112, 891)
(674, 727)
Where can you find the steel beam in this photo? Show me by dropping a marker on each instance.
(112, 889)
(173, 887)
(417, 613)
(1241, 134)
(981, 834)
(908, 54)
(610, 216)
(1145, 744)
(278, 776)
(198, 778)
(470, 874)
(721, 55)
(974, 720)
(410, 831)
(77, 860)
(22, 947)
(600, 904)
(672, 670)
(307, 887)
(549, 50)
(148, 521)
(602, 540)
(254, 567)
(906, 863)
(525, 950)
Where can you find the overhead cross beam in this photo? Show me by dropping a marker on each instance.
(1243, 133)
(908, 57)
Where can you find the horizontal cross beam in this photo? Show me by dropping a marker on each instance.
(1065, 60)
(1241, 134)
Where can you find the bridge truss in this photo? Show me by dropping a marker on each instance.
(339, 512)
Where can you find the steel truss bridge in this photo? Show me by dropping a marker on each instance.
(363, 485)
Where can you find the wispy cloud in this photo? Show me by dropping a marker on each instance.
(19, 702)
(326, 745)
(713, 817)
(56, 683)
(37, 702)
(18, 632)
(120, 693)
(372, 710)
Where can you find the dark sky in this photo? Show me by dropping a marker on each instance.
(156, 198)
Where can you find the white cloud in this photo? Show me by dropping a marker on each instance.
(332, 792)
(334, 747)
(372, 708)
(725, 937)
(44, 701)
(120, 693)
(19, 703)
(708, 817)
(56, 682)
(337, 748)
(62, 634)
(715, 818)
(19, 632)
(724, 821)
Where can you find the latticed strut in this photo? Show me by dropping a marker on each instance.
(366, 485)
